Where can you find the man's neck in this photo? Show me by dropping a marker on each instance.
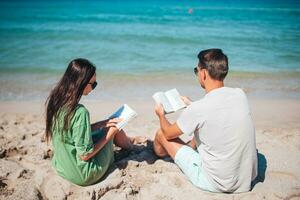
(213, 85)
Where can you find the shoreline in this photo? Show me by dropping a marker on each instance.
(36, 86)
(136, 72)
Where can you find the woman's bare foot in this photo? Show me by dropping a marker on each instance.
(138, 140)
(138, 143)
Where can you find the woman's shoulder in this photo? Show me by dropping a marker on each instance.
(81, 109)
(81, 114)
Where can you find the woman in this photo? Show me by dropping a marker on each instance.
(82, 151)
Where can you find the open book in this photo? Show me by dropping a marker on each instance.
(170, 100)
(125, 113)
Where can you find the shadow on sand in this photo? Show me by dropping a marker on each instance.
(261, 169)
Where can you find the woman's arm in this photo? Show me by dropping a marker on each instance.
(101, 143)
(110, 124)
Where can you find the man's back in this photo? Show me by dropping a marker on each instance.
(225, 138)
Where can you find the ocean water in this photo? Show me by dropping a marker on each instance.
(136, 36)
(137, 40)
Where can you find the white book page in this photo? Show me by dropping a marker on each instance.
(125, 113)
(174, 99)
(160, 97)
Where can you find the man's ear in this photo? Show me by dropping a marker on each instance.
(204, 74)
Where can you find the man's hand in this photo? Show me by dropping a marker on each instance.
(159, 110)
(112, 122)
(186, 100)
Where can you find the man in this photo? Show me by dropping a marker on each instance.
(222, 156)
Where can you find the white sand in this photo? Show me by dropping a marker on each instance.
(26, 172)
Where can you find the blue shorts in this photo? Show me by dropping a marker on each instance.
(190, 163)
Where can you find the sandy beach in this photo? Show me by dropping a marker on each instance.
(26, 172)
(139, 48)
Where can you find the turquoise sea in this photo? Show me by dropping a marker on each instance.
(137, 38)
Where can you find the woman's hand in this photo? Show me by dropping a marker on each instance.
(186, 100)
(112, 122)
(105, 124)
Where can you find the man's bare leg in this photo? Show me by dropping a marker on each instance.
(163, 147)
(158, 148)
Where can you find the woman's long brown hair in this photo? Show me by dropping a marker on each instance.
(67, 93)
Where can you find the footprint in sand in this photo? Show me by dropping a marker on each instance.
(52, 183)
(284, 174)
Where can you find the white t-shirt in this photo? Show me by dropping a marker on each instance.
(222, 126)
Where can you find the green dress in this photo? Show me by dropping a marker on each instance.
(76, 141)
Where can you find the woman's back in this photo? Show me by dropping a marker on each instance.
(69, 145)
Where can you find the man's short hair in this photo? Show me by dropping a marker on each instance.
(215, 61)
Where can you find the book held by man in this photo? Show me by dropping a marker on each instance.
(125, 113)
(170, 100)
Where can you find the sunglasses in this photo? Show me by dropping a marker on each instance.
(94, 85)
(196, 71)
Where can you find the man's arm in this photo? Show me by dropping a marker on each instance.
(186, 100)
(169, 130)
